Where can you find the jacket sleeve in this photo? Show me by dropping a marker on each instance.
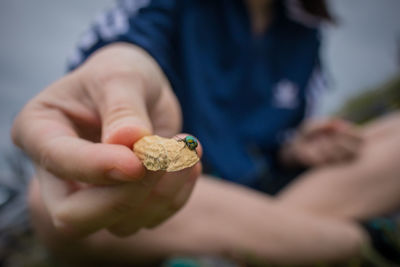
(149, 24)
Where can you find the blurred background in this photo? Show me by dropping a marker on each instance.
(37, 37)
(360, 52)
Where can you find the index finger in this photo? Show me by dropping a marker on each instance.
(49, 138)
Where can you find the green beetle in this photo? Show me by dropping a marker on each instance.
(190, 142)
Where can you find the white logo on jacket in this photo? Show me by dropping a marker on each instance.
(285, 95)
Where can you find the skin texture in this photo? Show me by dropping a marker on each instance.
(91, 190)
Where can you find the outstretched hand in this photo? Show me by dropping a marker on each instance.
(79, 132)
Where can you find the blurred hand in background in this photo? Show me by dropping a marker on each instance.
(323, 142)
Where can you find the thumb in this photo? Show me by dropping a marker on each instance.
(124, 112)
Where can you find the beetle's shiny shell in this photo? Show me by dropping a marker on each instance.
(191, 142)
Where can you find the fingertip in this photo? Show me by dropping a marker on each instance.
(197, 170)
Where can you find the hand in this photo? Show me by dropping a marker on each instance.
(80, 131)
(322, 142)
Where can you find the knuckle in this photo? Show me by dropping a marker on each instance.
(121, 75)
(103, 73)
(102, 83)
(119, 111)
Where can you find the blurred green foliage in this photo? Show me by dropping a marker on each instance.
(373, 103)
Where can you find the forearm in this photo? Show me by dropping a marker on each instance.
(221, 219)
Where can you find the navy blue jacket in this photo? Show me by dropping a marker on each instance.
(240, 94)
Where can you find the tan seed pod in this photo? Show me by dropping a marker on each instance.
(158, 153)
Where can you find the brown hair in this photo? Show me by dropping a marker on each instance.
(317, 8)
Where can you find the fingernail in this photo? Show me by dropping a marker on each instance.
(118, 175)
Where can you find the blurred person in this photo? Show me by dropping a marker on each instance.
(239, 75)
